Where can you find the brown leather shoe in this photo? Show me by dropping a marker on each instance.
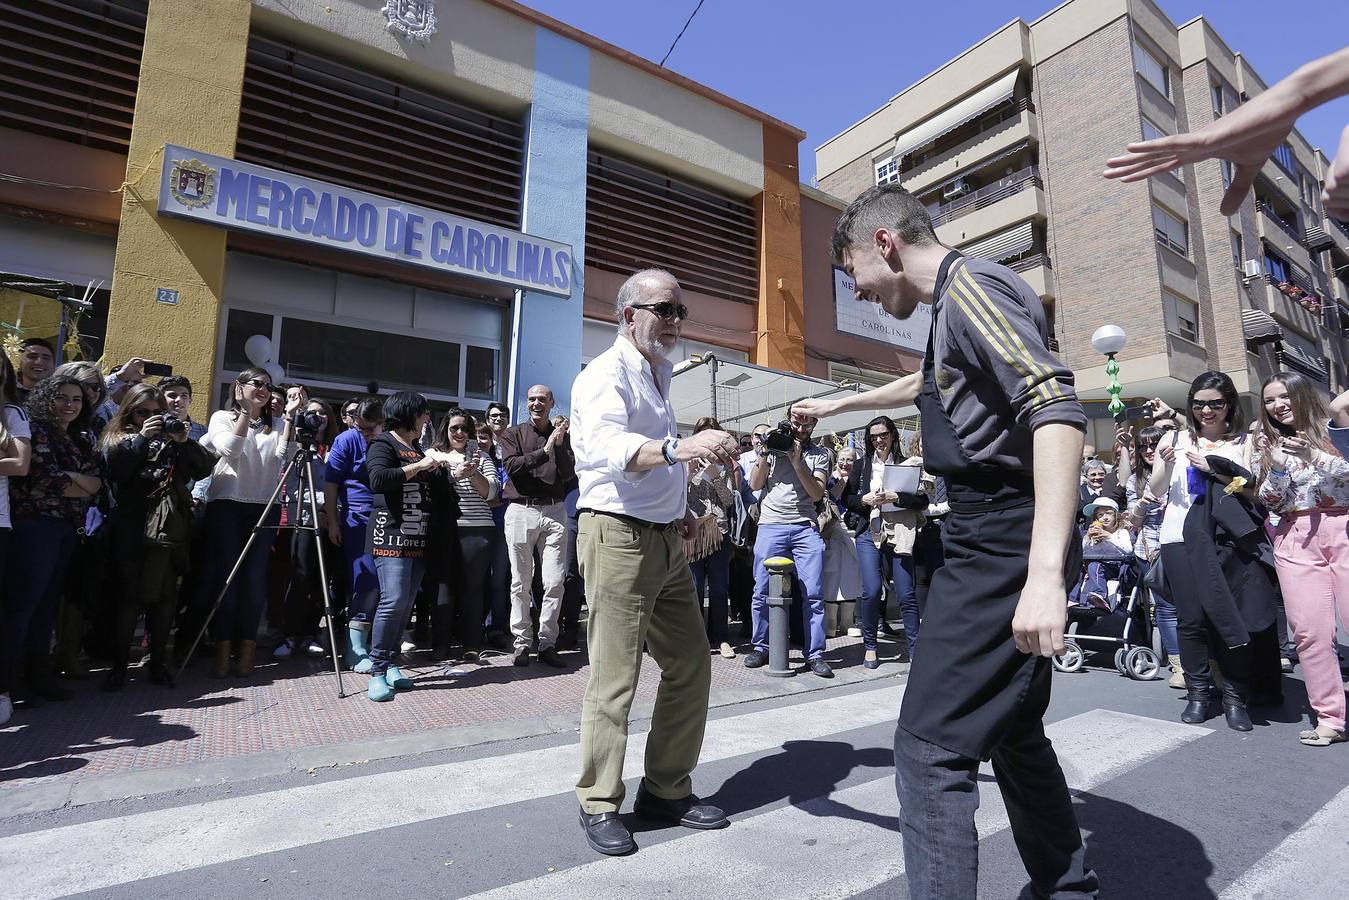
(247, 654)
(220, 668)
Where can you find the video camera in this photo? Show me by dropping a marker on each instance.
(782, 438)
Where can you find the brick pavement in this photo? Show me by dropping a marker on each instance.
(293, 704)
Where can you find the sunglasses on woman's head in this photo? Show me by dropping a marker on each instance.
(665, 310)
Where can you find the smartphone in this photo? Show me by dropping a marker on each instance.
(1135, 412)
(158, 370)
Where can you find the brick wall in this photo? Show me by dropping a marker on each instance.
(854, 178)
(1100, 232)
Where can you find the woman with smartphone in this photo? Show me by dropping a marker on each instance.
(1218, 579)
(1306, 484)
(460, 571)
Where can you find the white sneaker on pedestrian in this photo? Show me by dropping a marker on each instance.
(408, 644)
(284, 649)
(6, 708)
(313, 648)
(854, 631)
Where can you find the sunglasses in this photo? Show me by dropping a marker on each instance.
(1215, 405)
(259, 383)
(146, 413)
(456, 428)
(880, 434)
(666, 310)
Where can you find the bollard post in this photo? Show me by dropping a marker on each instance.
(779, 608)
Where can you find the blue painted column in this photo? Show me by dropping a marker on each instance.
(546, 330)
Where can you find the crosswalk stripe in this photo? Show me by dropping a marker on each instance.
(59, 861)
(1315, 858)
(834, 846)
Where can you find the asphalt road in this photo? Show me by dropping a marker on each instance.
(1168, 810)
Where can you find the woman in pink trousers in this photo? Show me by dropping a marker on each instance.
(1306, 485)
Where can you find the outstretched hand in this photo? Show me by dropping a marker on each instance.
(1245, 137)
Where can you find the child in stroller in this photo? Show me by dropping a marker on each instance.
(1108, 596)
(1107, 549)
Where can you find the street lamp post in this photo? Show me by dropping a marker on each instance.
(1107, 341)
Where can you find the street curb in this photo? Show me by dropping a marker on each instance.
(74, 792)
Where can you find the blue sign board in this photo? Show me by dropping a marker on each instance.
(232, 194)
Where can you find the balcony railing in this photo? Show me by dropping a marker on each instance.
(1296, 277)
(1034, 261)
(1344, 228)
(988, 195)
(1291, 230)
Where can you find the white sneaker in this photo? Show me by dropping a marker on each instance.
(6, 708)
(408, 645)
(312, 647)
(854, 631)
(284, 649)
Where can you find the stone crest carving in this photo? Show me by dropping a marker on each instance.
(414, 20)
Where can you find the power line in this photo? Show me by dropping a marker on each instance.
(681, 32)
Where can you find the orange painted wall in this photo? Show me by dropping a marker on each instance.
(780, 320)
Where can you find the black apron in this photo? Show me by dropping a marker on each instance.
(968, 684)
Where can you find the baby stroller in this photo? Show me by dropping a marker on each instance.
(1109, 597)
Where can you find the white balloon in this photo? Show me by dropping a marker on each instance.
(258, 349)
(274, 371)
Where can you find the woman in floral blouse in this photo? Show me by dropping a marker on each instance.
(48, 510)
(1306, 484)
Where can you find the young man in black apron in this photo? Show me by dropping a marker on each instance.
(1001, 422)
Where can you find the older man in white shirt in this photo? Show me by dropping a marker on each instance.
(633, 517)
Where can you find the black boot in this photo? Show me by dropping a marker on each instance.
(1199, 697)
(1235, 696)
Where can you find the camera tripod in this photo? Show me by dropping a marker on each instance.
(303, 460)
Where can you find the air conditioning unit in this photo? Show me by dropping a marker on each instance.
(957, 188)
(1250, 268)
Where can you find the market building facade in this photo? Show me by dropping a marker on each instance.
(441, 196)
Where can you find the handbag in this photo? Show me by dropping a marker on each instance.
(707, 538)
(1154, 579)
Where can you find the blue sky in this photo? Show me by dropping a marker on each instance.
(823, 65)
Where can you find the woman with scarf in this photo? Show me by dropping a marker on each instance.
(1215, 552)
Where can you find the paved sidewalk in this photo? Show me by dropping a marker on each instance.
(288, 715)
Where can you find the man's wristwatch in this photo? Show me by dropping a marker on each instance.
(668, 448)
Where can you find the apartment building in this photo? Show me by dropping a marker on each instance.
(1005, 144)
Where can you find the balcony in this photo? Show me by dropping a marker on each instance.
(1003, 136)
(1037, 271)
(988, 195)
(1274, 218)
(998, 210)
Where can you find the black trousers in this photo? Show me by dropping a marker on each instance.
(1199, 642)
(972, 695)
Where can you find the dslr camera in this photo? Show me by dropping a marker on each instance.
(173, 424)
(307, 425)
(782, 438)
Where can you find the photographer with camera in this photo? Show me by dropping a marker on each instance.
(151, 462)
(252, 447)
(303, 604)
(346, 493)
(790, 474)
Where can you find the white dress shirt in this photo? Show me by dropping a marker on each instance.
(618, 403)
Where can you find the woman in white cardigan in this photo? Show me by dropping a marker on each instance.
(252, 447)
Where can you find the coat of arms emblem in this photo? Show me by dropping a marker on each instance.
(192, 183)
(413, 19)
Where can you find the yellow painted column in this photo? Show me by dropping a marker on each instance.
(780, 342)
(191, 79)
